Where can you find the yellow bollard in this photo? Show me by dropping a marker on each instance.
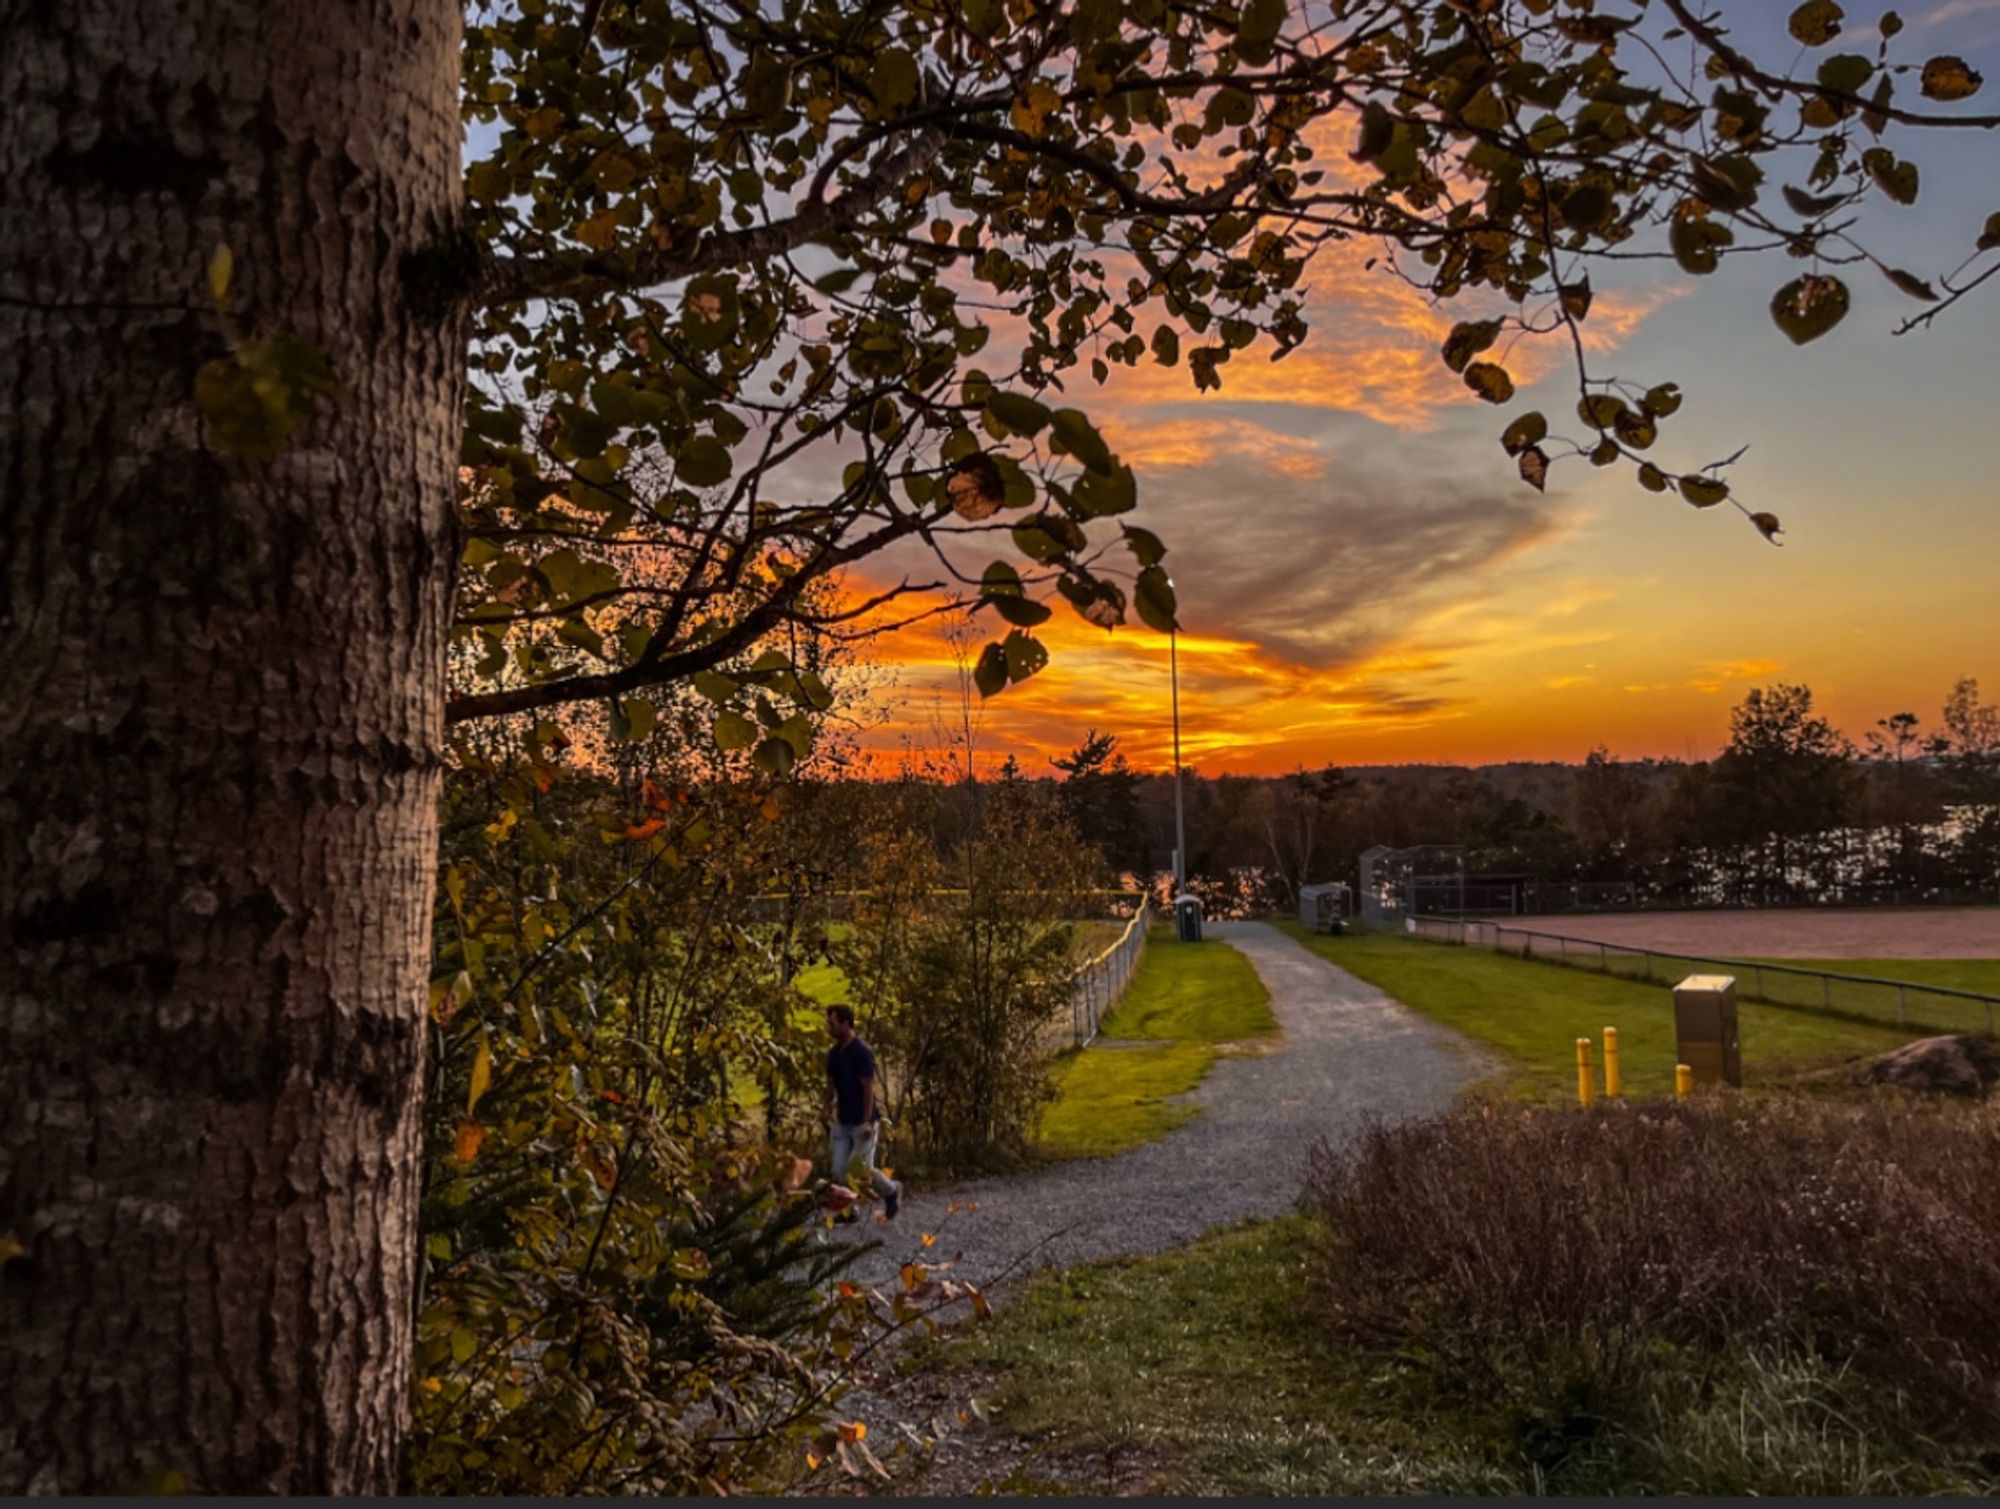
(1583, 1084)
(1683, 1081)
(1610, 1062)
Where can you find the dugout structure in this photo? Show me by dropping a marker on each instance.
(1394, 881)
(1324, 908)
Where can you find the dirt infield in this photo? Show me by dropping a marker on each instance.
(1790, 933)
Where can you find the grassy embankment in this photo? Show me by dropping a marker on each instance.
(1482, 1305)
(1188, 1004)
(1532, 1014)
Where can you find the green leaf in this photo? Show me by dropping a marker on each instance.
(1111, 492)
(1704, 492)
(1022, 612)
(734, 731)
(1046, 537)
(711, 312)
(1636, 430)
(1600, 410)
(1467, 340)
(1697, 241)
(893, 77)
(775, 756)
(818, 694)
(1527, 429)
(1816, 22)
(1896, 179)
(1490, 381)
(715, 687)
(797, 731)
(1812, 206)
(1806, 308)
(989, 672)
(636, 714)
(1001, 580)
(1652, 478)
(1989, 238)
(1910, 284)
(1535, 468)
(1078, 436)
(1585, 207)
(1153, 598)
(704, 462)
(1662, 401)
(1023, 655)
(1846, 72)
(1262, 21)
(1018, 413)
(1145, 545)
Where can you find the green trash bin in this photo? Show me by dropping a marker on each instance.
(1187, 913)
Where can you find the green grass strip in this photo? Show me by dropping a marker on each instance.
(1533, 1013)
(1188, 1001)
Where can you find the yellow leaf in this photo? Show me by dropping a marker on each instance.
(930, 1239)
(1032, 109)
(812, 1461)
(433, 1385)
(599, 232)
(482, 1076)
(466, 1144)
(854, 1430)
(220, 268)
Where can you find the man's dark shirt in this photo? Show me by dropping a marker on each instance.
(847, 1067)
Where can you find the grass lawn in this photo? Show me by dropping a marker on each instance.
(1186, 1004)
(1534, 1013)
(1982, 975)
(1197, 1357)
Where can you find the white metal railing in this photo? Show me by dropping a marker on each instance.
(1100, 982)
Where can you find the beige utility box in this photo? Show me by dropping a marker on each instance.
(1705, 1028)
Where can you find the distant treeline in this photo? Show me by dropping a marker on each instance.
(1793, 810)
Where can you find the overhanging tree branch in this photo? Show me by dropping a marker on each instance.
(510, 280)
(740, 636)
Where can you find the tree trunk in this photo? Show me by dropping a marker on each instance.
(220, 721)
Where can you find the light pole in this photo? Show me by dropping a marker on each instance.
(1180, 817)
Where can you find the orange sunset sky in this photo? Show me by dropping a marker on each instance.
(1363, 580)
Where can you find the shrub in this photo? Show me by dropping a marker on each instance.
(1578, 1249)
(619, 1288)
(961, 973)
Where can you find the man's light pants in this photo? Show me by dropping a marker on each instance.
(851, 1142)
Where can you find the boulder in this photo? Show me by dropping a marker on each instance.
(1950, 1065)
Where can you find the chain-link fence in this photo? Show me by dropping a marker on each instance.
(1100, 982)
(1901, 1003)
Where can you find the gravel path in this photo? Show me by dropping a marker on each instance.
(1349, 1055)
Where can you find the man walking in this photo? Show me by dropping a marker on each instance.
(853, 1113)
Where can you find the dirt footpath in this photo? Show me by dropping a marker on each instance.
(1349, 1055)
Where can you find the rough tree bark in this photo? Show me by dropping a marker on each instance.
(220, 718)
